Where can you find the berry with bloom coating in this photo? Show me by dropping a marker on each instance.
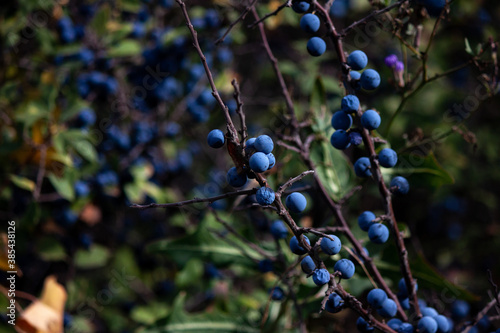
(340, 139)
(460, 309)
(370, 79)
(357, 60)
(362, 167)
(427, 325)
(394, 323)
(405, 328)
(387, 158)
(363, 326)
(329, 246)
(236, 179)
(370, 120)
(295, 246)
(300, 6)
(278, 229)
(215, 138)
(341, 120)
(403, 292)
(429, 311)
(272, 160)
(399, 185)
(349, 103)
(345, 267)
(334, 303)
(277, 294)
(310, 23)
(355, 75)
(307, 264)
(388, 309)
(264, 144)
(265, 196)
(378, 233)
(365, 220)
(321, 276)
(355, 138)
(296, 202)
(316, 46)
(249, 146)
(259, 162)
(376, 297)
(443, 324)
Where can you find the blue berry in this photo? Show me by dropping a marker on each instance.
(349, 103)
(340, 139)
(265, 196)
(442, 323)
(300, 6)
(345, 267)
(365, 220)
(279, 229)
(370, 120)
(363, 326)
(405, 328)
(307, 264)
(405, 303)
(427, 325)
(321, 276)
(388, 309)
(82, 189)
(355, 138)
(400, 185)
(370, 79)
(378, 233)
(250, 146)
(86, 118)
(334, 303)
(433, 7)
(277, 294)
(295, 246)
(329, 246)
(264, 144)
(236, 179)
(310, 23)
(387, 158)
(376, 297)
(355, 75)
(460, 309)
(216, 138)
(341, 120)
(316, 46)
(259, 162)
(362, 167)
(296, 202)
(357, 60)
(265, 266)
(428, 311)
(272, 160)
(394, 323)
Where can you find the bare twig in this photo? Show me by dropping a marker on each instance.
(293, 180)
(196, 200)
(239, 111)
(287, 3)
(241, 17)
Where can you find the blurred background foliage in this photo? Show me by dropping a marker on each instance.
(104, 104)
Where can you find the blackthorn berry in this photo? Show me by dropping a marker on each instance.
(388, 309)
(321, 276)
(378, 233)
(340, 139)
(310, 23)
(357, 60)
(236, 179)
(329, 246)
(363, 326)
(399, 185)
(376, 297)
(264, 144)
(387, 158)
(295, 246)
(362, 167)
(345, 267)
(349, 103)
(316, 46)
(370, 79)
(259, 162)
(341, 120)
(334, 303)
(442, 323)
(365, 220)
(296, 202)
(300, 6)
(370, 120)
(272, 160)
(307, 264)
(427, 325)
(265, 196)
(279, 229)
(216, 138)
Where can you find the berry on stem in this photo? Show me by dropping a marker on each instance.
(321, 276)
(350, 103)
(387, 158)
(279, 230)
(341, 120)
(236, 179)
(365, 220)
(295, 246)
(340, 139)
(259, 162)
(296, 202)
(370, 120)
(345, 267)
(316, 46)
(376, 297)
(399, 185)
(357, 60)
(329, 246)
(264, 144)
(265, 196)
(362, 167)
(370, 79)
(378, 233)
(310, 23)
(307, 264)
(215, 138)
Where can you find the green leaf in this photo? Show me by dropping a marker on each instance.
(63, 186)
(318, 94)
(179, 321)
(126, 48)
(468, 49)
(333, 169)
(190, 274)
(202, 244)
(50, 249)
(85, 149)
(150, 313)
(96, 257)
(22, 182)
(423, 170)
(100, 20)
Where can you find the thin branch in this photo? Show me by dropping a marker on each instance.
(196, 200)
(345, 31)
(287, 3)
(239, 111)
(41, 172)
(293, 180)
(240, 18)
